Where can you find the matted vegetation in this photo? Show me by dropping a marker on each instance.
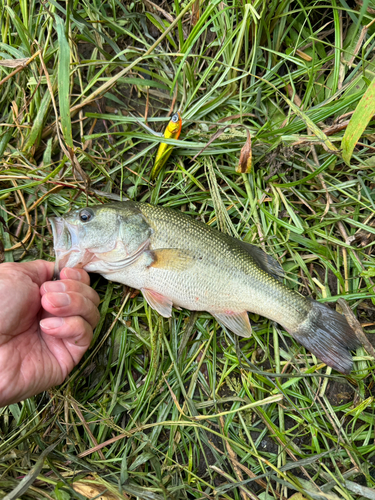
(179, 408)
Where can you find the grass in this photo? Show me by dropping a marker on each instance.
(179, 408)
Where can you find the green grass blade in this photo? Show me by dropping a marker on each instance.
(63, 81)
(358, 122)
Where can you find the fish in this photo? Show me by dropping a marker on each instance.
(178, 261)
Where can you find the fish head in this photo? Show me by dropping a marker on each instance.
(114, 233)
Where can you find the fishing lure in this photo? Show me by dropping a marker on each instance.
(172, 131)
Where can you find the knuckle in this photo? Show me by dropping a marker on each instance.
(80, 327)
(9, 269)
(8, 266)
(74, 286)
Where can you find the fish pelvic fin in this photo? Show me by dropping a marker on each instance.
(156, 301)
(327, 334)
(238, 323)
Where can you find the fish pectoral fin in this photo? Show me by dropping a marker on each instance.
(264, 261)
(238, 323)
(156, 301)
(171, 259)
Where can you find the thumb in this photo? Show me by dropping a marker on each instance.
(38, 270)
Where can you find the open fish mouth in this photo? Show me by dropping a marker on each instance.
(66, 245)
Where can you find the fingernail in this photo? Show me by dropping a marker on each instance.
(59, 299)
(54, 286)
(50, 323)
(72, 274)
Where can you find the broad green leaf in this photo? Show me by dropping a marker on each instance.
(36, 130)
(358, 122)
(63, 81)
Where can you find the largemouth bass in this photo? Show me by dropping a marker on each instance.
(177, 261)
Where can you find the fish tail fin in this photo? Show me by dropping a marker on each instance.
(328, 335)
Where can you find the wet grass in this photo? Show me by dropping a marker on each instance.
(179, 408)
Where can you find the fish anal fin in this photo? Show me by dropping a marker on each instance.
(264, 261)
(236, 322)
(171, 259)
(157, 301)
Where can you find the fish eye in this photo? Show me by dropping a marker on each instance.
(86, 215)
(174, 118)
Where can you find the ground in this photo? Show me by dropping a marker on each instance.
(177, 408)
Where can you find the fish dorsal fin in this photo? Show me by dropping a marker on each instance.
(264, 261)
(237, 323)
(171, 259)
(161, 304)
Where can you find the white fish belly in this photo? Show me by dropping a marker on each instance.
(203, 288)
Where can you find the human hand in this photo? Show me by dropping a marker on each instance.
(45, 326)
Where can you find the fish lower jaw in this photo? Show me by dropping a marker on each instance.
(73, 258)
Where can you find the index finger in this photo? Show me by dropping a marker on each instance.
(75, 274)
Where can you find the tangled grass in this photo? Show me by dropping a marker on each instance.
(177, 408)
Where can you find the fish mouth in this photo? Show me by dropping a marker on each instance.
(66, 245)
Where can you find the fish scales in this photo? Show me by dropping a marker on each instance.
(218, 259)
(178, 261)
